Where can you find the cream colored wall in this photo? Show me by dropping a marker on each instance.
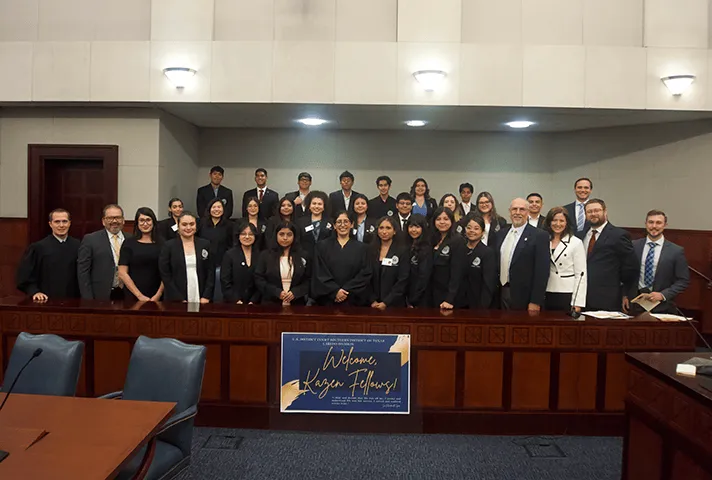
(178, 163)
(564, 53)
(135, 132)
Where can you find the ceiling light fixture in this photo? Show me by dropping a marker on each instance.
(430, 80)
(416, 123)
(180, 77)
(520, 124)
(312, 122)
(678, 84)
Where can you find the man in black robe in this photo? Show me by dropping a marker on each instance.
(49, 267)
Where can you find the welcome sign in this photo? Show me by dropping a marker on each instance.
(345, 373)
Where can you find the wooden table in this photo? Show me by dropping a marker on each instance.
(668, 420)
(87, 438)
(473, 371)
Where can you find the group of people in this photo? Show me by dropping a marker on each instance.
(310, 248)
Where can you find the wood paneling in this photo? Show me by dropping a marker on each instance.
(616, 381)
(212, 379)
(13, 243)
(111, 361)
(484, 372)
(644, 452)
(248, 373)
(684, 467)
(436, 378)
(577, 381)
(530, 380)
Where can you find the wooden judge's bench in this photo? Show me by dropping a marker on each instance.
(472, 372)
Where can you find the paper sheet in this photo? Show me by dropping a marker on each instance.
(644, 301)
(602, 314)
(666, 317)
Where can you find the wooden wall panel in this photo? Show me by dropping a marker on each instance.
(436, 378)
(577, 381)
(111, 361)
(211, 380)
(616, 381)
(644, 453)
(248, 368)
(484, 373)
(13, 242)
(683, 466)
(530, 380)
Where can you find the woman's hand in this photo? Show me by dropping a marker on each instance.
(204, 300)
(447, 306)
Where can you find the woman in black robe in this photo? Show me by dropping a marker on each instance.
(448, 259)
(389, 261)
(420, 257)
(480, 277)
(238, 267)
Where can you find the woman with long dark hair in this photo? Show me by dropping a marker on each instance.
(421, 261)
(342, 272)
(479, 282)
(449, 257)
(389, 260)
(283, 273)
(567, 268)
(422, 203)
(238, 267)
(285, 211)
(364, 228)
(168, 229)
(316, 224)
(218, 230)
(253, 217)
(493, 222)
(138, 259)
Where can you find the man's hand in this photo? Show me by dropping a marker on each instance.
(379, 305)
(341, 295)
(39, 297)
(204, 300)
(143, 298)
(656, 297)
(289, 297)
(447, 306)
(533, 308)
(626, 305)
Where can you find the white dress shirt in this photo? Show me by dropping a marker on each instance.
(402, 220)
(347, 200)
(534, 222)
(507, 251)
(646, 248)
(587, 238)
(60, 240)
(466, 207)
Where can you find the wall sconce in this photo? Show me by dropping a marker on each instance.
(678, 84)
(430, 80)
(180, 77)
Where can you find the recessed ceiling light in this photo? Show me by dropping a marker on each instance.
(416, 123)
(520, 124)
(312, 122)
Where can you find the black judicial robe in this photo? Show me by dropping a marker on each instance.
(337, 267)
(237, 279)
(448, 263)
(377, 208)
(421, 268)
(268, 278)
(306, 232)
(390, 276)
(166, 230)
(50, 267)
(479, 281)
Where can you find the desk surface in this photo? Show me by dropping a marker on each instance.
(88, 438)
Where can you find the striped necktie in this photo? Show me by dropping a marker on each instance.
(649, 273)
(580, 217)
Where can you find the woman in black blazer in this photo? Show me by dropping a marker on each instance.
(284, 213)
(283, 273)
(448, 260)
(480, 278)
(218, 230)
(364, 228)
(238, 267)
(315, 225)
(186, 265)
(389, 260)
(421, 261)
(493, 222)
(422, 203)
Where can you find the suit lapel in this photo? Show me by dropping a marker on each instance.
(522, 243)
(560, 249)
(638, 248)
(663, 258)
(602, 237)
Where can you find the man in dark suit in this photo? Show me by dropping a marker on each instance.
(382, 205)
(611, 265)
(268, 199)
(404, 205)
(212, 190)
(466, 191)
(341, 199)
(663, 272)
(304, 180)
(523, 260)
(577, 210)
(98, 258)
(536, 202)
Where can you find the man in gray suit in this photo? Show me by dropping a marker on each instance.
(98, 258)
(663, 266)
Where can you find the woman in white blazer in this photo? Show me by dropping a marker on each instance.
(567, 266)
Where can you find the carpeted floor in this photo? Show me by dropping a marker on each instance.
(251, 454)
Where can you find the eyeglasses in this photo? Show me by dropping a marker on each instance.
(145, 220)
(247, 235)
(113, 219)
(341, 222)
(486, 202)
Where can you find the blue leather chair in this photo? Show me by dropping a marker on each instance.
(54, 372)
(165, 370)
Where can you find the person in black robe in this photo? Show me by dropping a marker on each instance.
(364, 228)
(390, 267)
(479, 281)
(138, 259)
(285, 213)
(48, 268)
(448, 260)
(341, 268)
(238, 268)
(218, 229)
(316, 225)
(420, 257)
(168, 228)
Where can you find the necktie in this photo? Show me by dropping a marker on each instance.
(315, 232)
(592, 242)
(504, 261)
(649, 274)
(260, 195)
(116, 248)
(580, 217)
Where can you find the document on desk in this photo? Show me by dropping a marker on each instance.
(604, 315)
(666, 317)
(644, 301)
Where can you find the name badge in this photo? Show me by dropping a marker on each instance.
(387, 262)
(174, 227)
(309, 228)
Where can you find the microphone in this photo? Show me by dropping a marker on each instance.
(35, 354)
(689, 322)
(573, 313)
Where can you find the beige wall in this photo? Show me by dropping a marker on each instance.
(634, 169)
(567, 53)
(178, 163)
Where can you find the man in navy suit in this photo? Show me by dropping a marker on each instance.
(268, 199)
(577, 210)
(663, 273)
(523, 260)
(611, 265)
(341, 199)
(214, 189)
